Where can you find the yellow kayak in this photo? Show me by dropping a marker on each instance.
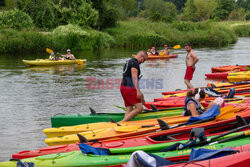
(45, 62)
(238, 78)
(67, 130)
(239, 73)
(116, 132)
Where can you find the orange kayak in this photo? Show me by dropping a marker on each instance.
(160, 57)
(230, 68)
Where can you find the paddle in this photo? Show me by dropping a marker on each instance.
(79, 62)
(247, 133)
(177, 47)
(154, 109)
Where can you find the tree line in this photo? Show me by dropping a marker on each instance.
(100, 14)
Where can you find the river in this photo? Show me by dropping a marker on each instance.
(30, 96)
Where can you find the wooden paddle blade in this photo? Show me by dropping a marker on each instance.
(177, 47)
(49, 50)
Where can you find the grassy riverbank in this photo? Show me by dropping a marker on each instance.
(132, 33)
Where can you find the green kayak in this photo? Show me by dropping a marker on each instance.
(78, 119)
(77, 158)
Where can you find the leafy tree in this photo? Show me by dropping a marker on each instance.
(237, 14)
(190, 10)
(15, 19)
(224, 8)
(2, 3)
(180, 4)
(125, 8)
(244, 4)
(159, 10)
(41, 12)
(77, 12)
(108, 15)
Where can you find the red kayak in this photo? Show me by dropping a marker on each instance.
(218, 75)
(177, 134)
(241, 159)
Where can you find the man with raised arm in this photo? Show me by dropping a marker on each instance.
(131, 93)
(191, 60)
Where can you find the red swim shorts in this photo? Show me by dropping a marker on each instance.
(129, 95)
(189, 73)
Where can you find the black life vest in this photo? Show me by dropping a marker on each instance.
(197, 104)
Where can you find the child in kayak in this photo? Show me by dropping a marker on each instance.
(154, 52)
(52, 56)
(193, 106)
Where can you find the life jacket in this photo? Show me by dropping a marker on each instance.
(197, 104)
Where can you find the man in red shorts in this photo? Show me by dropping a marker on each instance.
(191, 60)
(130, 90)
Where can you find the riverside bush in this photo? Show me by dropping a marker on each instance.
(15, 19)
(69, 36)
(77, 38)
(142, 33)
(242, 30)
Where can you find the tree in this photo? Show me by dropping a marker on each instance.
(224, 8)
(180, 4)
(108, 15)
(237, 14)
(244, 4)
(190, 10)
(158, 10)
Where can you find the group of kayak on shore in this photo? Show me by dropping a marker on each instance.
(67, 56)
(154, 52)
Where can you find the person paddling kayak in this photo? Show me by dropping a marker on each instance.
(166, 50)
(191, 60)
(69, 56)
(131, 93)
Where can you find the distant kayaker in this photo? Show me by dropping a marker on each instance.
(131, 93)
(52, 56)
(166, 50)
(154, 52)
(69, 56)
(191, 60)
(193, 106)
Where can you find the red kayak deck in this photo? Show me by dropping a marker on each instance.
(218, 75)
(180, 133)
(241, 159)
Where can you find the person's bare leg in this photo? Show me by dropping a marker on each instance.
(189, 85)
(210, 105)
(138, 108)
(129, 109)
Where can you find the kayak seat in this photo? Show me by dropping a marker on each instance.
(163, 138)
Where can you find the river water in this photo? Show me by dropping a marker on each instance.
(30, 96)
